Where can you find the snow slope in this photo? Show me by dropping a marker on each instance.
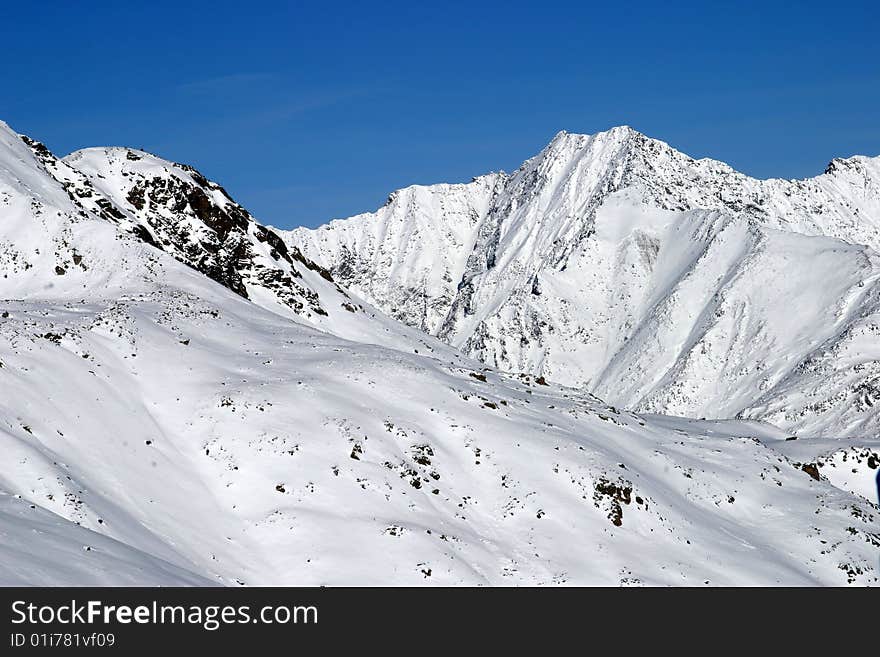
(161, 428)
(176, 209)
(659, 282)
(40, 548)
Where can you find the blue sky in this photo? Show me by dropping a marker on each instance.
(309, 111)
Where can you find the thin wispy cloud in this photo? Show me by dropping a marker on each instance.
(264, 98)
(223, 82)
(303, 103)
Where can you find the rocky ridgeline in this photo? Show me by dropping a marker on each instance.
(175, 208)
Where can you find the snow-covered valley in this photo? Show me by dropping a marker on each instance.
(189, 397)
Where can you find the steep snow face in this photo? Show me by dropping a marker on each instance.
(413, 252)
(660, 282)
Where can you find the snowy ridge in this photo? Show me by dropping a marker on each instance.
(659, 282)
(174, 208)
(394, 252)
(161, 428)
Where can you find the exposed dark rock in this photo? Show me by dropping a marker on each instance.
(617, 494)
(812, 470)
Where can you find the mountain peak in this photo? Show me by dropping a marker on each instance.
(617, 132)
(854, 163)
(554, 269)
(614, 148)
(107, 152)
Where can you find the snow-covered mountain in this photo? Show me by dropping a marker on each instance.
(175, 409)
(176, 209)
(659, 282)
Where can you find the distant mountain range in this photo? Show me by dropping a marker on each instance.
(464, 387)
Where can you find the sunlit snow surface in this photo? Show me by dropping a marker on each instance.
(658, 282)
(158, 428)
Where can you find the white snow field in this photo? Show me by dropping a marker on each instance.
(186, 400)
